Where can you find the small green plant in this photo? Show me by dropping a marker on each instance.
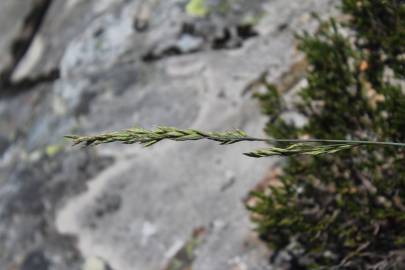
(197, 8)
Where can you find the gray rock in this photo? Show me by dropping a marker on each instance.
(188, 43)
(12, 13)
(136, 212)
(94, 263)
(29, 200)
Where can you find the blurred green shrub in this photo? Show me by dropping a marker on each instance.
(346, 210)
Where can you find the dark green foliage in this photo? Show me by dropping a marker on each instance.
(346, 210)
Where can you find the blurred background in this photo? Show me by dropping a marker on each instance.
(87, 66)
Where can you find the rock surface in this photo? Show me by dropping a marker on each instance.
(11, 14)
(149, 63)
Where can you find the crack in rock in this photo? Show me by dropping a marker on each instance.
(22, 42)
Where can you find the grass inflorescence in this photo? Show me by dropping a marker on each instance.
(147, 138)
